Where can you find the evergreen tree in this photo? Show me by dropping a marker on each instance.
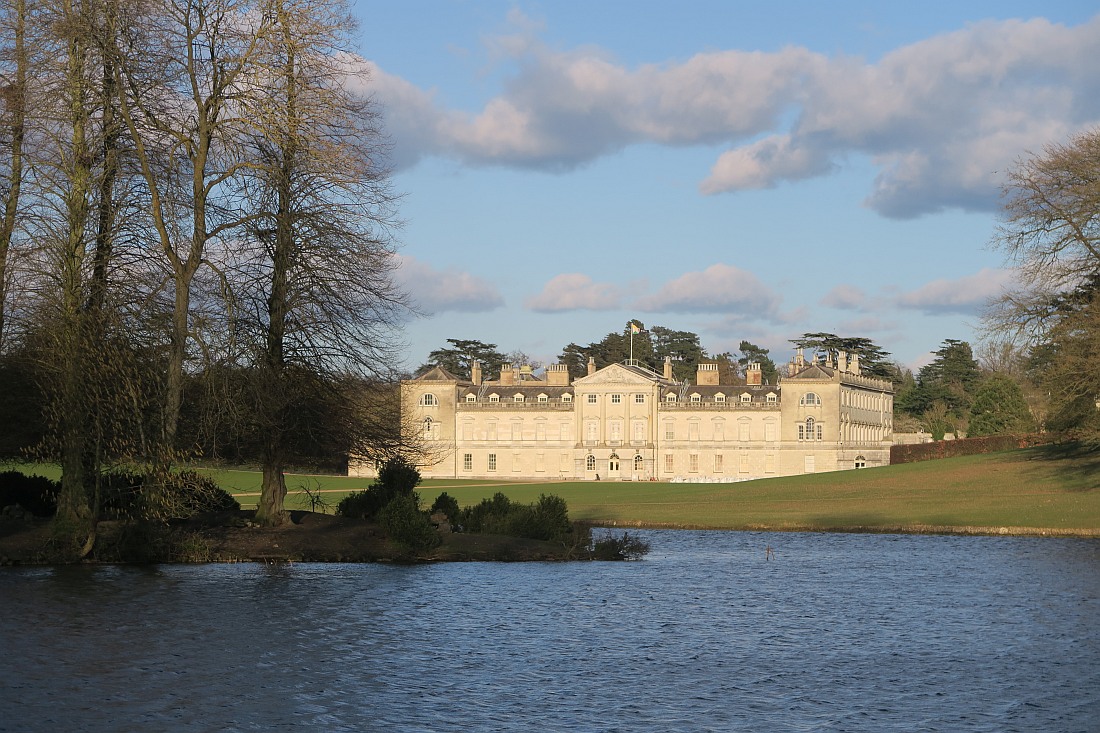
(999, 408)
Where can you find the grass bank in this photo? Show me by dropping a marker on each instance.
(1050, 489)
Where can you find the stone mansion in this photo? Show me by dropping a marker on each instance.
(626, 422)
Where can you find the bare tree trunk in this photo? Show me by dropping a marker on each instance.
(15, 97)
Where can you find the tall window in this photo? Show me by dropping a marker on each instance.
(638, 463)
(811, 430)
(492, 461)
(468, 462)
(669, 462)
(590, 462)
(718, 463)
(428, 428)
(693, 463)
(616, 430)
(670, 430)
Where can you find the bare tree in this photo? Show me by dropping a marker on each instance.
(13, 89)
(1051, 235)
(316, 305)
(181, 67)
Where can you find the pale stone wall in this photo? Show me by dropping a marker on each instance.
(618, 423)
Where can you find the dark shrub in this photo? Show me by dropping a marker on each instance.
(448, 505)
(36, 494)
(396, 478)
(403, 521)
(546, 519)
(613, 547)
(129, 495)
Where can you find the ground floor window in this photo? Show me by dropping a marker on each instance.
(590, 462)
(492, 461)
(669, 462)
(468, 462)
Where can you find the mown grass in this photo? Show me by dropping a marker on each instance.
(1053, 488)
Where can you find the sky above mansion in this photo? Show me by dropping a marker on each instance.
(741, 170)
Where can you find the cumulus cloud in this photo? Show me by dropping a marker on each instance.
(435, 291)
(720, 288)
(965, 295)
(942, 118)
(845, 297)
(572, 292)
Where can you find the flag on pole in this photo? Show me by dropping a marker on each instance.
(634, 327)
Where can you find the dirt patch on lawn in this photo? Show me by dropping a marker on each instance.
(234, 537)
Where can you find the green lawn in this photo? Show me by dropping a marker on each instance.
(1045, 488)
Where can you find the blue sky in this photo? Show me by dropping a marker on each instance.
(740, 170)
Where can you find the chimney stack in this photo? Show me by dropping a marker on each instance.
(507, 376)
(557, 375)
(668, 368)
(706, 374)
(475, 372)
(753, 374)
(591, 365)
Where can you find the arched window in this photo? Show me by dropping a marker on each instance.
(428, 426)
(810, 430)
(429, 400)
(613, 464)
(810, 399)
(638, 463)
(590, 462)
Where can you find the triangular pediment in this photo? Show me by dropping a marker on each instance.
(437, 374)
(615, 374)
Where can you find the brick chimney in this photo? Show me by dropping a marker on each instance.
(668, 368)
(591, 365)
(475, 372)
(507, 376)
(753, 374)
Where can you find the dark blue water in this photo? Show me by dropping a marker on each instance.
(836, 633)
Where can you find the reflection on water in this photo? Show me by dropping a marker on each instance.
(835, 632)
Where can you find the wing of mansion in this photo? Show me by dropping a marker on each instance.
(627, 422)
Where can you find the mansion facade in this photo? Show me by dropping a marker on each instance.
(626, 422)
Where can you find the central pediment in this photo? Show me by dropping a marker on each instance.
(615, 374)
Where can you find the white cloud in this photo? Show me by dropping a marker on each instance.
(942, 118)
(574, 291)
(965, 295)
(845, 297)
(434, 291)
(718, 289)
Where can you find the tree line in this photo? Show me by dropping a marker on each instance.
(196, 238)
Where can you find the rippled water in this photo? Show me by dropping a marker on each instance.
(836, 633)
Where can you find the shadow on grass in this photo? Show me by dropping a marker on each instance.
(1077, 462)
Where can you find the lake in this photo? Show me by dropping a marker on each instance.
(708, 633)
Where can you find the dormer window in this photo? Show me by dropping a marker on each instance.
(771, 397)
(471, 398)
(746, 397)
(517, 398)
(494, 398)
(670, 397)
(696, 398)
(719, 397)
(543, 398)
(567, 397)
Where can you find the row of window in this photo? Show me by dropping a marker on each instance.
(430, 400)
(809, 430)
